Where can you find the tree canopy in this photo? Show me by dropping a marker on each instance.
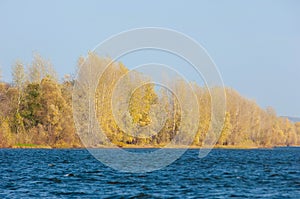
(36, 110)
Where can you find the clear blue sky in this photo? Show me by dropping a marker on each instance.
(255, 44)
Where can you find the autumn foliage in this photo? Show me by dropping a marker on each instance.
(36, 111)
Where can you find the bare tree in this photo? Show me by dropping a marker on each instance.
(19, 75)
(40, 68)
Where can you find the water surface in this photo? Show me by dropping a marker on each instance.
(262, 173)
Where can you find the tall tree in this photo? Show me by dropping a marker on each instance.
(40, 68)
(39, 111)
(19, 75)
(31, 106)
(19, 80)
(224, 137)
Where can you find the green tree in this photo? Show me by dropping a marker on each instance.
(31, 106)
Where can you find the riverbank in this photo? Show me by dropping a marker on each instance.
(33, 146)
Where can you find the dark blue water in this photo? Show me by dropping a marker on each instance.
(222, 174)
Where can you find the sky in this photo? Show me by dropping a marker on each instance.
(255, 44)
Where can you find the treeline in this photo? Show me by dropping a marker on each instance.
(36, 110)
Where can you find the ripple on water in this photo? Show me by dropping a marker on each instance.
(223, 174)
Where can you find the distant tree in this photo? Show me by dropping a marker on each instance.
(290, 131)
(19, 80)
(40, 68)
(0, 74)
(37, 109)
(19, 75)
(227, 128)
(56, 115)
(6, 138)
(297, 127)
(31, 106)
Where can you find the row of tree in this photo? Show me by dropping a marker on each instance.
(36, 110)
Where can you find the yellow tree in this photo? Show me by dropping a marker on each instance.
(226, 131)
(52, 110)
(297, 127)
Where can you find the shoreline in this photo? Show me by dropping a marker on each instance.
(152, 147)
